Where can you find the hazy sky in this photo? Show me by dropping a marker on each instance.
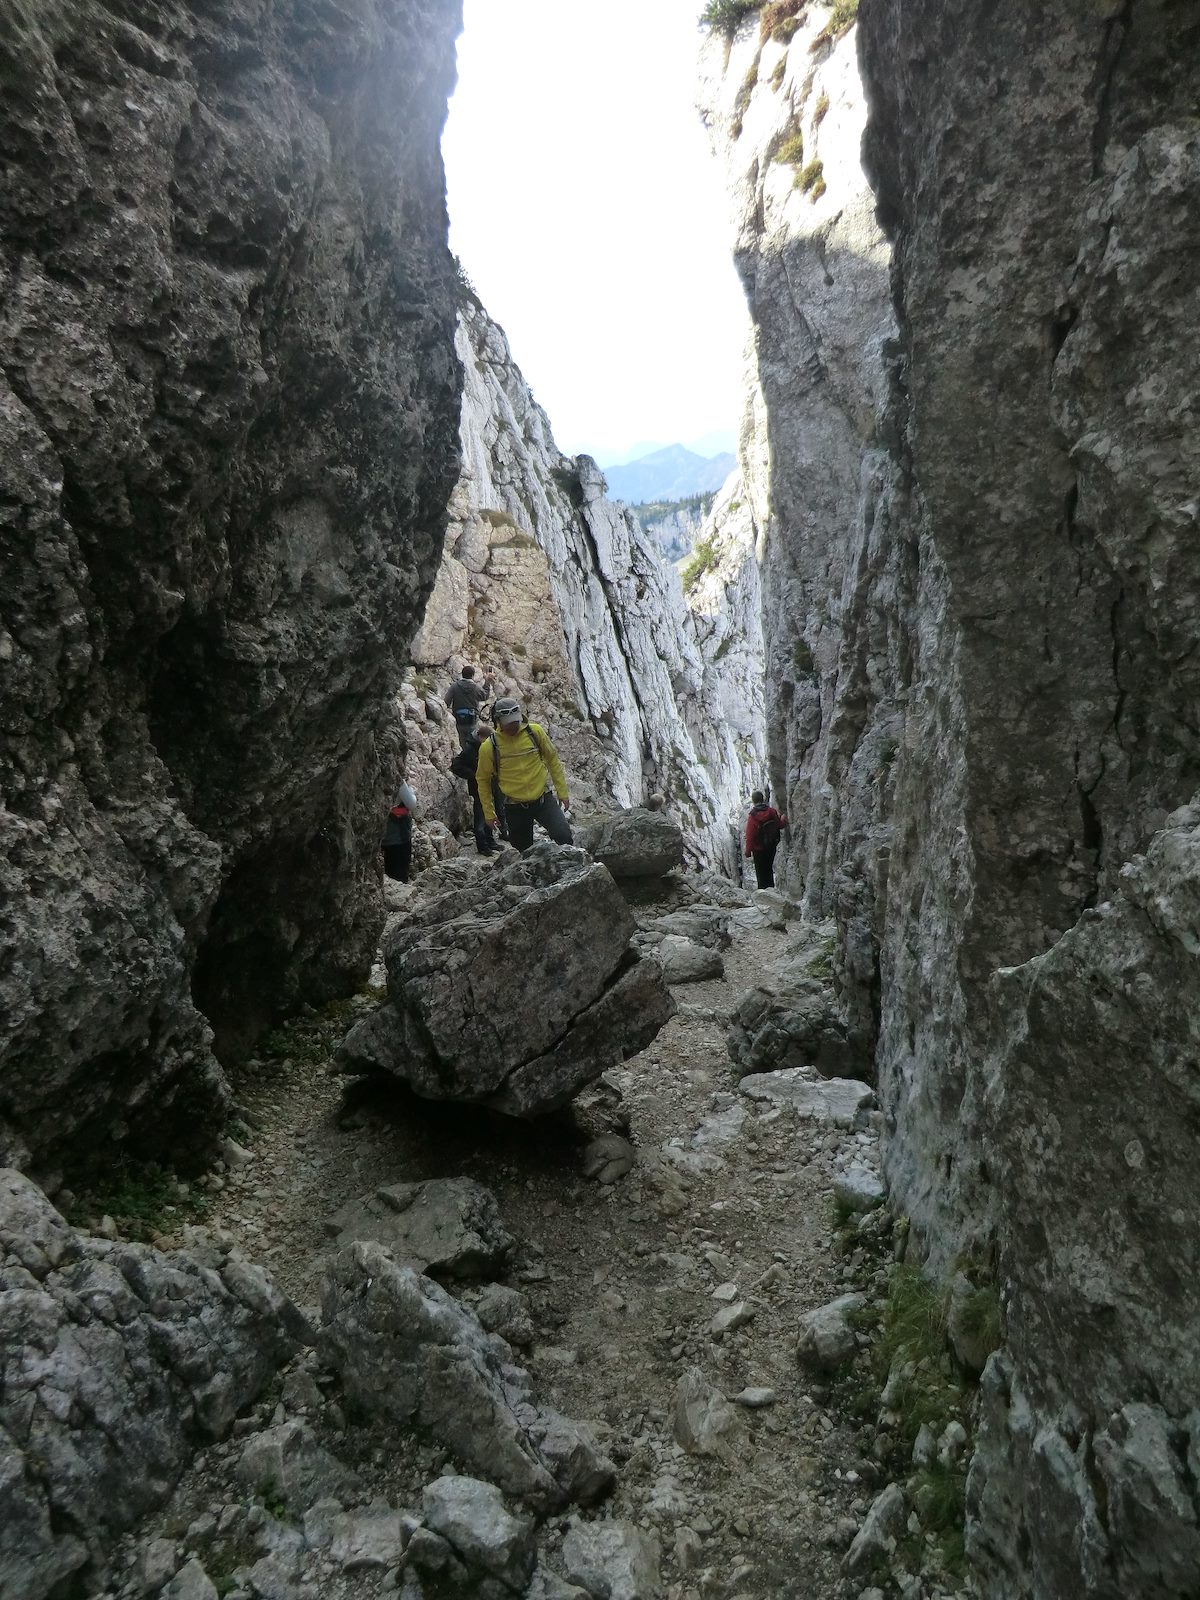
(590, 216)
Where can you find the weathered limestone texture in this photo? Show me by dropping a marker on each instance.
(559, 589)
(786, 117)
(1040, 175)
(980, 517)
(116, 1362)
(229, 405)
(449, 1028)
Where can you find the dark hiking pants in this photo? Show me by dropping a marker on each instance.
(397, 858)
(764, 866)
(522, 814)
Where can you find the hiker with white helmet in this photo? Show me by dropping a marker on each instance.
(525, 765)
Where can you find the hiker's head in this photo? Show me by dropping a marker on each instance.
(468, 672)
(508, 714)
(756, 799)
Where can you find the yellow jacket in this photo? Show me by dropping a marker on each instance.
(527, 760)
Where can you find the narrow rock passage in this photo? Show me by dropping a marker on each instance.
(689, 1274)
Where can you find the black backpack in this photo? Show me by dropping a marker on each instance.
(768, 830)
(465, 762)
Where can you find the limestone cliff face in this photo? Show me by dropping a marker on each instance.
(1040, 1034)
(563, 594)
(786, 117)
(1015, 661)
(228, 429)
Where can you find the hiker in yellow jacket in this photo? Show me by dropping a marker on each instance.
(524, 763)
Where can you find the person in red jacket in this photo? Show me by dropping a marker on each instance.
(763, 827)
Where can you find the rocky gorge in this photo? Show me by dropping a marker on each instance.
(976, 527)
(609, 1230)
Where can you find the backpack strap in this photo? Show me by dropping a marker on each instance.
(535, 741)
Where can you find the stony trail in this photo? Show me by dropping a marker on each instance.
(726, 1213)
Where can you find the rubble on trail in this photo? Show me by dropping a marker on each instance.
(634, 1375)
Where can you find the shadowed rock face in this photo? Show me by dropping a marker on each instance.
(985, 615)
(228, 429)
(1040, 175)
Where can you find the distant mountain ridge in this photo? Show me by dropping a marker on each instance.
(672, 473)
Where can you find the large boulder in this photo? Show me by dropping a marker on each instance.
(514, 992)
(447, 1227)
(408, 1351)
(637, 843)
(790, 1018)
(115, 1360)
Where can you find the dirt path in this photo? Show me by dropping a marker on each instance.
(728, 1204)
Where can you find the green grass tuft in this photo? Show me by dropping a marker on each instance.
(979, 1316)
(702, 559)
(914, 1321)
(142, 1198)
(727, 16)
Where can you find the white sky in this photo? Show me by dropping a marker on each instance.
(590, 215)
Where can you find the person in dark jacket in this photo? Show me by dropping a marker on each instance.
(464, 766)
(763, 827)
(397, 835)
(466, 697)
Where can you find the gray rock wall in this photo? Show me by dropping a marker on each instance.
(228, 430)
(1038, 1054)
(786, 117)
(1011, 670)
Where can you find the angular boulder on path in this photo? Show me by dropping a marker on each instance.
(515, 992)
(408, 1351)
(685, 961)
(844, 1102)
(790, 1019)
(447, 1227)
(613, 1560)
(636, 844)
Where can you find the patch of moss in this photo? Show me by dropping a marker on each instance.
(817, 190)
(842, 17)
(780, 19)
(802, 656)
(979, 1317)
(778, 72)
(820, 109)
(791, 151)
(810, 175)
(311, 1037)
(142, 1198)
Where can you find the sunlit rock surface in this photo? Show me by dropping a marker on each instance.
(228, 430)
(786, 123)
(560, 587)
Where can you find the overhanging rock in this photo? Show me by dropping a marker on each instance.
(514, 993)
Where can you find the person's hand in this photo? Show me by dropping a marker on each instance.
(566, 807)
